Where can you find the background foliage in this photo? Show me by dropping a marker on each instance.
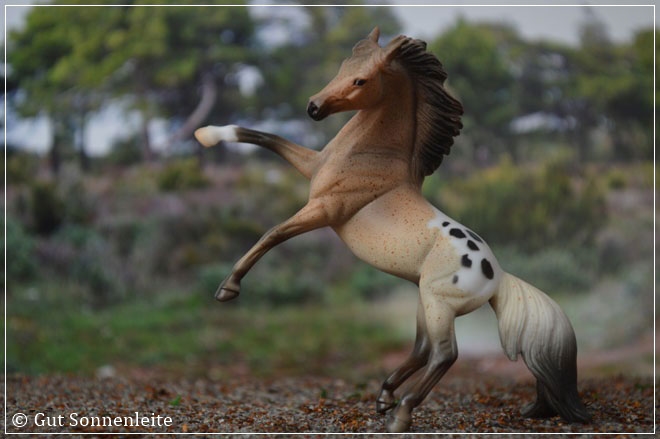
(112, 259)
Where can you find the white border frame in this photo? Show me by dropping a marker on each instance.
(334, 434)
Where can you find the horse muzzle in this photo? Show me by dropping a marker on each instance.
(315, 112)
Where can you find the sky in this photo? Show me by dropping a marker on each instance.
(559, 22)
(427, 18)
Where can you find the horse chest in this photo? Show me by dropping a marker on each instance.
(359, 178)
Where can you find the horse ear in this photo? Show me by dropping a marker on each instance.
(392, 48)
(374, 34)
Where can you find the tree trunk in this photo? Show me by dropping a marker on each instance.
(60, 137)
(82, 149)
(200, 113)
(583, 146)
(147, 154)
(512, 148)
(55, 157)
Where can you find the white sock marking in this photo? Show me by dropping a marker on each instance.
(211, 135)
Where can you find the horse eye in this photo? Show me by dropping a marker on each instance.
(359, 82)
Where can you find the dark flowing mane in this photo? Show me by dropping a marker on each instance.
(438, 113)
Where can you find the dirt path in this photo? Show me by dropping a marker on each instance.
(466, 401)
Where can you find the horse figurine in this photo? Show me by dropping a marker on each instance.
(366, 185)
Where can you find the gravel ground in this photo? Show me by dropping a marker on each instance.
(465, 401)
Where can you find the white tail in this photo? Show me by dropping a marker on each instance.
(533, 325)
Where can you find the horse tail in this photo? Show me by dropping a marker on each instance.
(533, 325)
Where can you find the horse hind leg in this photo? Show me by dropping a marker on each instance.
(415, 361)
(443, 353)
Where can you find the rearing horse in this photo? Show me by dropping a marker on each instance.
(366, 185)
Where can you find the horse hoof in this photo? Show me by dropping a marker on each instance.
(398, 425)
(225, 294)
(383, 406)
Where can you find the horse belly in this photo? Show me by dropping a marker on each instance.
(391, 237)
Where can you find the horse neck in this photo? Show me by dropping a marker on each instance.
(387, 128)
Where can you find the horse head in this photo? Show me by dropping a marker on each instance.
(359, 82)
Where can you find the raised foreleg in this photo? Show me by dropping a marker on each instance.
(312, 216)
(415, 361)
(305, 160)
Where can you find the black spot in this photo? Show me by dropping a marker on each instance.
(474, 235)
(472, 245)
(466, 262)
(445, 223)
(455, 279)
(457, 233)
(487, 269)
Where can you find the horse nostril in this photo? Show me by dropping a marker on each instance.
(312, 110)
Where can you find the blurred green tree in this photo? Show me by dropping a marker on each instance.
(57, 64)
(609, 87)
(164, 61)
(596, 86)
(178, 61)
(625, 92)
(480, 74)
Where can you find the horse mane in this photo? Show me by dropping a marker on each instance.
(438, 113)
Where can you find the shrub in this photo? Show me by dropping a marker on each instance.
(79, 207)
(209, 277)
(553, 270)
(273, 283)
(87, 258)
(124, 234)
(531, 208)
(180, 242)
(279, 278)
(182, 175)
(21, 166)
(51, 204)
(616, 179)
(370, 283)
(46, 208)
(125, 152)
(279, 188)
(20, 256)
(279, 281)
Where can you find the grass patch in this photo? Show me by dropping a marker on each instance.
(192, 335)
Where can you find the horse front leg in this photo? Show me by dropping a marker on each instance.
(305, 160)
(312, 216)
